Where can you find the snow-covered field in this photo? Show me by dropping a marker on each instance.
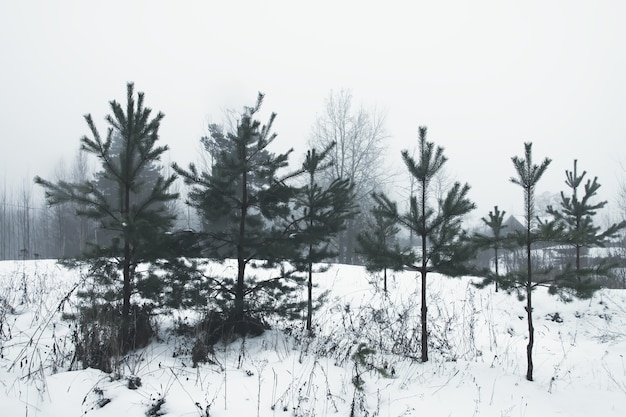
(477, 356)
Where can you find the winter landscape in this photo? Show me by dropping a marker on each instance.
(304, 290)
(476, 366)
(328, 209)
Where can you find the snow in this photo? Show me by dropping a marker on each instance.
(477, 356)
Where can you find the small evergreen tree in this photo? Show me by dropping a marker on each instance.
(322, 214)
(576, 215)
(528, 175)
(570, 226)
(380, 245)
(360, 135)
(133, 213)
(444, 244)
(241, 200)
(496, 241)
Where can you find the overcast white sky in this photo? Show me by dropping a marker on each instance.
(484, 76)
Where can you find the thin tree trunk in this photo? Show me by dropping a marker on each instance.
(424, 318)
(497, 276)
(240, 289)
(424, 312)
(309, 316)
(578, 277)
(126, 291)
(385, 280)
(577, 230)
(529, 309)
(126, 295)
(241, 261)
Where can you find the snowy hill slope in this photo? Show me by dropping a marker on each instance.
(476, 368)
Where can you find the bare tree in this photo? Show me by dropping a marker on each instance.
(67, 234)
(358, 156)
(24, 226)
(60, 214)
(81, 170)
(16, 222)
(5, 235)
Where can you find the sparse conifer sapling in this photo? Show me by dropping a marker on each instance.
(444, 244)
(495, 240)
(380, 247)
(576, 215)
(320, 213)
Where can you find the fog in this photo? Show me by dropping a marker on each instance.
(484, 76)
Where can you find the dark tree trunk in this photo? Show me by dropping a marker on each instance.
(424, 270)
(385, 280)
(240, 288)
(239, 312)
(531, 337)
(424, 318)
(309, 315)
(497, 276)
(127, 276)
(126, 297)
(529, 309)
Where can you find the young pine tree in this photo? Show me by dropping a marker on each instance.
(443, 242)
(131, 212)
(495, 240)
(562, 229)
(528, 175)
(322, 213)
(576, 215)
(379, 245)
(241, 201)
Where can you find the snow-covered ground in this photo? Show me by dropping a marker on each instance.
(477, 356)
